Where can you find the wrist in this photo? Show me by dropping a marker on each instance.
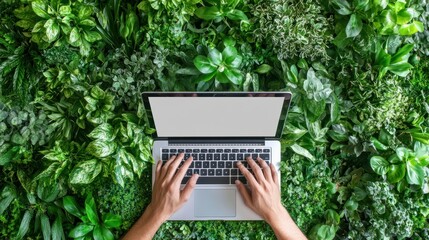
(277, 216)
(154, 215)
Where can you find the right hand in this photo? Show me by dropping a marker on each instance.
(263, 197)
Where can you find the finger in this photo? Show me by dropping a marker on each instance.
(164, 169)
(265, 169)
(249, 177)
(256, 170)
(182, 171)
(171, 170)
(158, 169)
(187, 190)
(274, 174)
(244, 193)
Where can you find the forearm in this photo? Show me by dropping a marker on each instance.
(284, 227)
(146, 227)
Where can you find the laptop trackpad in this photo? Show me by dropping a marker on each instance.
(214, 202)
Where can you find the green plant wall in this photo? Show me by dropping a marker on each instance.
(75, 149)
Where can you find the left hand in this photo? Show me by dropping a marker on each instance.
(167, 197)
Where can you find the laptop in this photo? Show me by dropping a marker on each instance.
(217, 129)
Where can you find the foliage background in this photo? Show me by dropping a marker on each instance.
(75, 146)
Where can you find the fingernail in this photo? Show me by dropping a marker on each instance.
(237, 182)
(238, 163)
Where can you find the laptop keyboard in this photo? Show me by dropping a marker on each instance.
(217, 165)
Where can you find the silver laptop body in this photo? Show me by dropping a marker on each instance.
(209, 122)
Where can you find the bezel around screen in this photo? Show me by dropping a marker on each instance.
(286, 103)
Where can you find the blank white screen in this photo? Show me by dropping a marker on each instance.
(216, 116)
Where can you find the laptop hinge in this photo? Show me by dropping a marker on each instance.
(253, 141)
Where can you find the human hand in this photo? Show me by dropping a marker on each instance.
(264, 195)
(264, 198)
(167, 197)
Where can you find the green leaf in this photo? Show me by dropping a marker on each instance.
(342, 7)
(404, 16)
(326, 232)
(415, 173)
(206, 77)
(57, 230)
(221, 77)
(403, 153)
(71, 206)
(101, 149)
(75, 37)
(7, 196)
(351, 205)
(88, 23)
(208, 13)
(229, 54)
(112, 220)
(80, 230)
(91, 36)
(378, 145)
(85, 172)
(97, 234)
(382, 58)
(85, 11)
(215, 56)
(39, 7)
(334, 109)
(396, 173)
(46, 227)
(52, 30)
(103, 132)
(91, 210)
(354, 26)
(204, 65)
(264, 68)
(400, 69)
(25, 224)
(234, 75)
(382, 3)
(411, 28)
(302, 151)
(8, 156)
(402, 54)
(103, 234)
(379, 165)
(237, 15)
(65, 10)
(48, 193)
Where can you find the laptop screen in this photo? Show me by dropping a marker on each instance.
(220, 116)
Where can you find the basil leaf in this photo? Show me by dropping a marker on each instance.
(396, 173)
(379, 165)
